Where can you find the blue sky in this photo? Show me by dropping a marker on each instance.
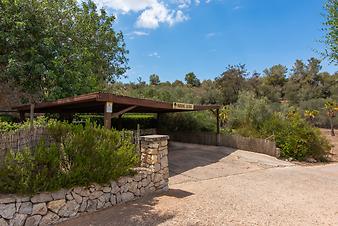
(174, 37)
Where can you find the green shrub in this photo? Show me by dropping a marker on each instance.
(253, 117)
(188, 121)
(295, 137)
(79, 156)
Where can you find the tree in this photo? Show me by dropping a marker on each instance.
(154, 79)
(331, 30)
(231, 82)
(55, 49)
(273, 82)
(177, 83)
(330, 107)
(192, 80)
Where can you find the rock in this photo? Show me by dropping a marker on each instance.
(77, 197)
(133, 187)
(84, 192)
(33, 220)
(7, 199)
(59, 194)
(56, 205)
(114, 187)
(95, 194)
(156, 167)
(122, 181)
(106, 189)
(83, 205)
(164, 162)
(3, 222)
(22, 199)
(26, 208)
(311, 160)
(49, 219)
(18, 220)
(107, 197)
(157, 177)
(7, 211)
(145, 182)
(39, 209)
(70, 209)
(107, 204)
(92, 205)
(17, 206)
(42, 197)
(113, 199)
(69, 197)
(118, 198)
(127, 196)
(137, 177)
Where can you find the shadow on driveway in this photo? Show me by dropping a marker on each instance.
(137, 212)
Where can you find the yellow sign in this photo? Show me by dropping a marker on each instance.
(183, 106)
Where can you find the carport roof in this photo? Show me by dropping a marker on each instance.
(95, 103)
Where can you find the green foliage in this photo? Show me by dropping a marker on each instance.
(154, 79)
(295, 137)
(79, 156)
(54, 49)
(7, 118)
(187, 121)
(231, 82)
(331, 30)
(192, 80)
(256, 117)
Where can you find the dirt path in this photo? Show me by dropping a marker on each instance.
(229, 187)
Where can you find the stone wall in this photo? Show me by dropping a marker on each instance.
(53, 207)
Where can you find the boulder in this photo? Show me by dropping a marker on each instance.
(26, 208)
(42, 197)
(18, 220)
(49, 219)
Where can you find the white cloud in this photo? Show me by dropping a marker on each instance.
(154, 54)
(152, 13)
(140, 33)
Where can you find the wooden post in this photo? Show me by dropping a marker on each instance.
(108, 110)
(31, 116)
(218, 135)
(22, 116)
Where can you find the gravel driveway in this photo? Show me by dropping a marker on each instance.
(222, 186)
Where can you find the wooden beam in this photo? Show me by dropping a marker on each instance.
(108, 110)
(117, 114)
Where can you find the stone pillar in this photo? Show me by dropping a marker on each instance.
(154, 156)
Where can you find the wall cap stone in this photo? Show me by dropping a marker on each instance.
(154, 137)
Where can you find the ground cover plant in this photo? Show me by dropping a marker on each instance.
(77, 156)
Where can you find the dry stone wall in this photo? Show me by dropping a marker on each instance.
(53, 207)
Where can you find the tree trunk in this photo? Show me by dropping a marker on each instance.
(332, 129)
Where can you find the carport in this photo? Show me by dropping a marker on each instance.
(111, 105)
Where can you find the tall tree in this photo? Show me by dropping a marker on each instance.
(192, 80)
(331, 30)
(231, 82)
(54, 49)
(154, 79)
(274, 79)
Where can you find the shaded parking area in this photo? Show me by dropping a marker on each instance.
(221, 186)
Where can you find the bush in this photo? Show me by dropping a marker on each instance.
(187, 121)
(78, 156)
(295, 137)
